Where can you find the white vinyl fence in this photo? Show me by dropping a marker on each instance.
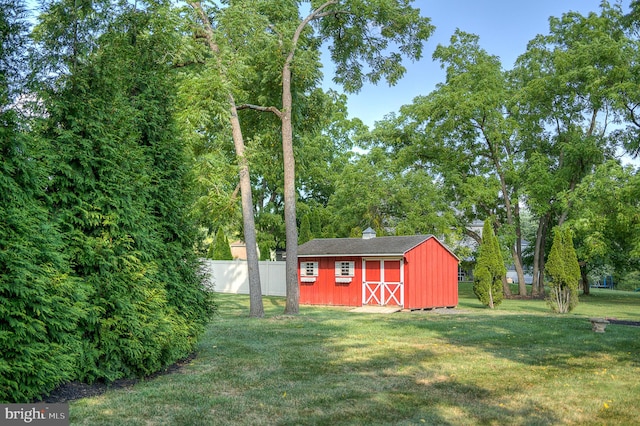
(231, 276)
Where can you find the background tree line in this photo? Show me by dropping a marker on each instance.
(537, 146)
(527, 146)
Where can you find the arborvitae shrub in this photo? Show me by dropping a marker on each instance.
(305, 230)
(222, 249)
(120, 194)
(563, 270)
(489, 269)
(40, 305)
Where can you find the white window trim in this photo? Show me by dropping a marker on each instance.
(304, 268)
(342, 278)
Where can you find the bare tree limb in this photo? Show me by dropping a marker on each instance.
(272, 109)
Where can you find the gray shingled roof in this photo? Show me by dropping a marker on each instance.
(383, 246)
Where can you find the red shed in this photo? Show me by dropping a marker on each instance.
(413, 272)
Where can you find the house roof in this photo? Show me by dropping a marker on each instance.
(379, 246)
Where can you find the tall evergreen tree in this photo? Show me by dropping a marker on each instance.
(305, 230)
(490, 269)
(119, 190)
(40, 305)
(221, 248)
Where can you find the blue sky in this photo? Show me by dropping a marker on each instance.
(504, 27)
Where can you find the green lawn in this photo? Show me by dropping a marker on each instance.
(518, 365)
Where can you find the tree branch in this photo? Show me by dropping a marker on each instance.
(330, 13)
(316, 14)
(234, 195)
(632, 114)
(474, 235)
(272, 109)
(197, 6)
(594, 121)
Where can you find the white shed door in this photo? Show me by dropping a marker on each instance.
(383, 282)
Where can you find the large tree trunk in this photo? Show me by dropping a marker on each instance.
(292, 305)
(537, 286)
(541, 269)
(516, 253)
(584, 277)
(256, 308)
(291, 226)
(513, 213)
(506, 287)
(517, 263)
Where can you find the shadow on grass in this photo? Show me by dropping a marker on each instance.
(551, 340)
(394, 387)
(330, 366)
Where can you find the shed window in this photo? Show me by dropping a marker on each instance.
(309, 269)
(345, 269)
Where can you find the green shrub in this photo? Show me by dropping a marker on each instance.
(629, 282)
(305, 230)
(489, 269)
(119, 192)
(563, 270)
(221, 248)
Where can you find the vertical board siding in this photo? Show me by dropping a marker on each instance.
(325, 290)
(431, 279)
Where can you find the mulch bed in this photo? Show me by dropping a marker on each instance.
(623, 322)
(77, 390)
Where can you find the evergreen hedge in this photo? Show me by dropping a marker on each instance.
(120, 195)
(99, 279)
(40, 304)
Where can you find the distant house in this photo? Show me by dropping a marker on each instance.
(239, 250)
(412, 272)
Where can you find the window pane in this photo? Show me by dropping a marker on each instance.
(344, 268)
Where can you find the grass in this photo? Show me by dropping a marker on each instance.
(518, 365)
